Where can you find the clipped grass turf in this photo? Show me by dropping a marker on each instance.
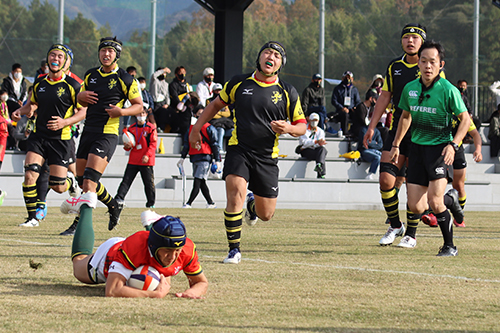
(305, 271)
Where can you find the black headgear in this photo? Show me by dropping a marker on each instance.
(113, 43)
(59, 47)
(168, 232)
(277, 47)
(414, 28)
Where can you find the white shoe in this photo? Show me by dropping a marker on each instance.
(370, 176)
(391, 235)
(211, 206)
(149, 217)
(74, 190)
(408, 242)
(233, 257)
(72, 205)
(30, 223)
(187, 206)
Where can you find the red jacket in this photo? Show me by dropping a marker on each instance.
(145, 139)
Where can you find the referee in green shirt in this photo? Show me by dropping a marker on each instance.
(428, 105)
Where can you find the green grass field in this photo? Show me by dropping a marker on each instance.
(306, 271)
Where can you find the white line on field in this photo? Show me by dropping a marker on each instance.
(361, 269)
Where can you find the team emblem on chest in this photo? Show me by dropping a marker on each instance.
(112, 84)
(276, 97)
(60, 91)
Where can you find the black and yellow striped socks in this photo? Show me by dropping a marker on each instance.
(233, 223)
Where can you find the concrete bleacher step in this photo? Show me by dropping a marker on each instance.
(343, 188)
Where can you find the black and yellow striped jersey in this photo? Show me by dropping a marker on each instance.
(55, 98)
(113, 88)
(398, 74)
(256, 104)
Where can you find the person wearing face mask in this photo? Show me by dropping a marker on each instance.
(377, 83)
(141, 159)
(312, 145)
(158, 87)
(205, 87)
(360, 115)
(44, 68)
(180, 114)
(147, 100)
(313, 99)
(345, 97)
(15, 85)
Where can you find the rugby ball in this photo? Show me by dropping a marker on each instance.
(145, 278)
(128, 137)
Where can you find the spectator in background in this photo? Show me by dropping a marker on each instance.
(15, 85)
(312, 145)
(201, 160)
(313, 99)
(462, 87)
(377, 83)
(4, 133)
(360, 115)
(126, 119)
(222, 120)
(147, 100)
(345, 97)
(141, 159)
(132, 71)
(180, 110)
(4, 110)
(373, 153)
(158, 86)
(206, 86)
(44, 68)
(494, 132)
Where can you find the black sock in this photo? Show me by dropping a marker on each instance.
(445, 224)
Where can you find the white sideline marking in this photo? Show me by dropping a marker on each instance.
(361, 269)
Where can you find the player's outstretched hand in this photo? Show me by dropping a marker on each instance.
(187, 294)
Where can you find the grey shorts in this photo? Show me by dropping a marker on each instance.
(200, 169)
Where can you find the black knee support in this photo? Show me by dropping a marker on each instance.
(92, 175)
(389, 168)
(79, 180)
(56, 181)
(35, 167)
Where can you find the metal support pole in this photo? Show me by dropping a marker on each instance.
(321, 52)
(475, 65)
(60, 38)
(152, 40)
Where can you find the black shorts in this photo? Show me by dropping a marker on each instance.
(404, 146)
(100, 144)
(54, 151)
(260, 172)
(426, 163)
(460, 162)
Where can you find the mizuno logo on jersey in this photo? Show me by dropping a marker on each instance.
(413, 93)
(93, 80)
(42, 89)
(60, 91)
(247, 92)
(111, 84)
(99, 150)
(276, 97)
(397, 72)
